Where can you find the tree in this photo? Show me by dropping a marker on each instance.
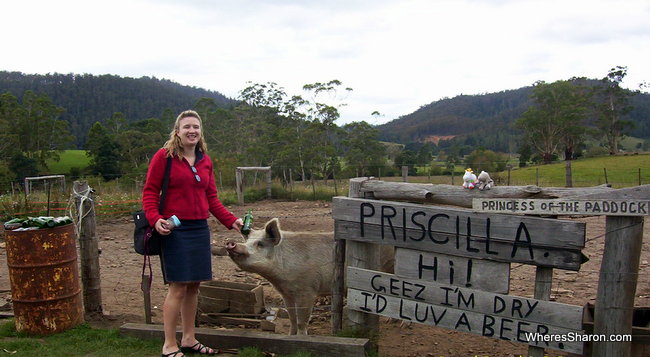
(407, 158)
(104, 152)
(555, 120)
(23, 166)
(486, 160)
(614, 104)
(44, 134)
(9, 109)
(361, 147)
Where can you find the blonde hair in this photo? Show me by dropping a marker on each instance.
(174, 146)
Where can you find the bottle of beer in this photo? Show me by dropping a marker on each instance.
(62, 221)
(14, 223)
(248, 223)
(42, 222)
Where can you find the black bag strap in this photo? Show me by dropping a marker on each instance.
(168, 170)
(147, 258)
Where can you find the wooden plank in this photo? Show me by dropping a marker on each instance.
(275, 343)
(456, 195)
(508, 329)
(591, 207)
(425, 220)
(467, 247)
(229, 320)
(479, 274)
(445, 295)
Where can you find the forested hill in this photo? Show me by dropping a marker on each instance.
(89, 98)
(486, 118)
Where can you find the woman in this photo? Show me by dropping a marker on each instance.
(185, 256)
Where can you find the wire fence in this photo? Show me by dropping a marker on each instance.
(123, 195)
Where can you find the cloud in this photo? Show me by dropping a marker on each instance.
(396, 55)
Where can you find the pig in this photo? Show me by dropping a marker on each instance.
(299, 265)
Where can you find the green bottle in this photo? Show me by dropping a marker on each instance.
(62, 221)
(14, 223)
(248, 223)
(42, 222)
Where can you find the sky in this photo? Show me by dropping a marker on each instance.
(396, 55)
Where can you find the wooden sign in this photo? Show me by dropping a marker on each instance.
(506, 238)
(394, 217)
(511, 318)
(453, 270)
(591, 207)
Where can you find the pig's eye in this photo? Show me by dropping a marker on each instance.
(259, 244)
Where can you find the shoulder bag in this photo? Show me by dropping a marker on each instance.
(146, 240)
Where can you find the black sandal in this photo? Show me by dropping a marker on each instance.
(173, 354)
(199, 348)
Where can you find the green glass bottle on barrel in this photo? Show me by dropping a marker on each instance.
(248, 222)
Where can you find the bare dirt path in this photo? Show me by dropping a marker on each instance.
(121, 269)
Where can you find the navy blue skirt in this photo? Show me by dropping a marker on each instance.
(186, 255)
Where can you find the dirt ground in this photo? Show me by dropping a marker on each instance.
(123, 302)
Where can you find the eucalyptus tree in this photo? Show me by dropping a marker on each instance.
(42, 134)
(361, 147)
(322, 111)
(9, 110)
(613, 104)
(104, 152)
(555, 121)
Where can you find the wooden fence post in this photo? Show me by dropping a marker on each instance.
(405, 174)
(269, 184)
(605, 171)
(509, 169)
(240, 185)
(88, 248)
(361, 255)
(569, 174)
(619, 272)
(543, 284)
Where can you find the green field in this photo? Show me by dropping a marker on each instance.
(69, 159)
(619, 171)
(622, 171)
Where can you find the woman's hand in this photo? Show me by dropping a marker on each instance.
(237, 225)
(161, 227)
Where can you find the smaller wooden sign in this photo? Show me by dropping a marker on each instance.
(591, 207)
(478, 274)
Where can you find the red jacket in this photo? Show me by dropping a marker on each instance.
(186, 197)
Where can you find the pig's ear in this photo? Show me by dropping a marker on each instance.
(272, 229)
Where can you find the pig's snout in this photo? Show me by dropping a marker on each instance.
(235, 249)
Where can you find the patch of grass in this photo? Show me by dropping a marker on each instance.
(621, 171)
(81, 340)
(69, 159)
(84, 340)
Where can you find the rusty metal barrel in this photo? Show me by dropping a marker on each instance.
(44, 278)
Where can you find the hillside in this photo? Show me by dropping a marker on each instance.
(486, 118)
(88, 98)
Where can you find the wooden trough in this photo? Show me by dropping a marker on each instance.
(225, 302)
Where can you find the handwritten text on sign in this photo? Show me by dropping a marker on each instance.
(498, 237)
(564, 207)
(493, 315)
(477, 274)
